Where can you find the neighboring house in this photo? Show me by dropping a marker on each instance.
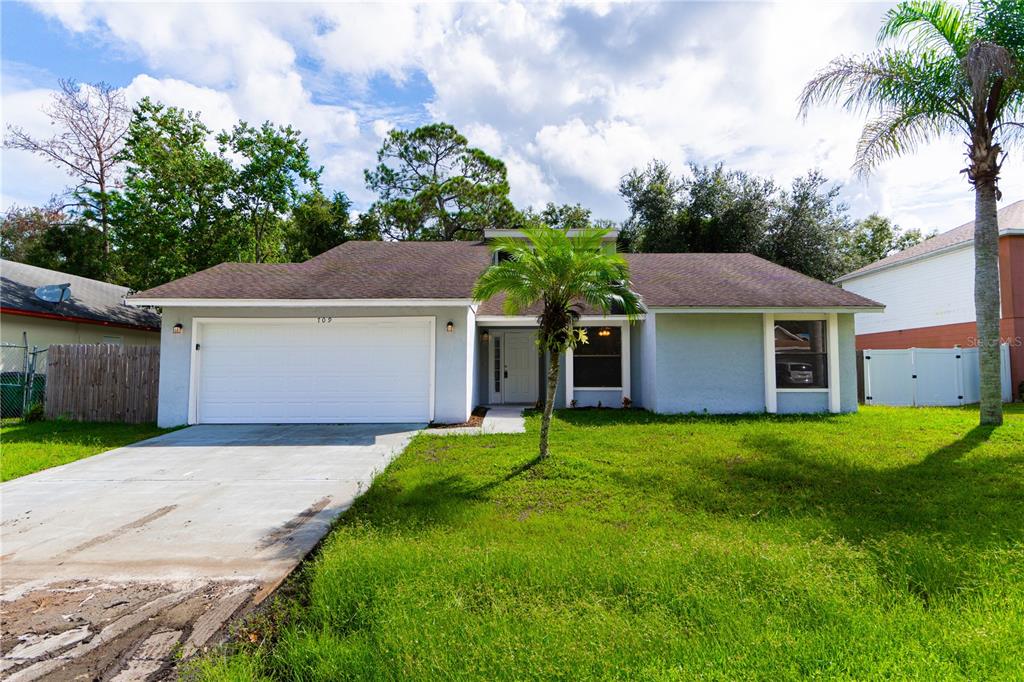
(388, 332)
(928, 292)
(94, 313)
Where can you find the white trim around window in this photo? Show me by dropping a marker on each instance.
(771, 391)
(585, 321)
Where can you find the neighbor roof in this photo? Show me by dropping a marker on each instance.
(91, 300)
(1011, 217)
(448, 270)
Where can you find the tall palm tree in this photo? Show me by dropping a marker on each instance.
(944, 69)
(560, 272)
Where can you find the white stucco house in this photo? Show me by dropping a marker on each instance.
(388, 332)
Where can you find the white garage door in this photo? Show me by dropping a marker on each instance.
(325, 370)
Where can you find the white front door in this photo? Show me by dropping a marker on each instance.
(519, 367)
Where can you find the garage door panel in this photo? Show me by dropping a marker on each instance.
(295, 372)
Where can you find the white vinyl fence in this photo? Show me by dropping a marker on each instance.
(927, 376)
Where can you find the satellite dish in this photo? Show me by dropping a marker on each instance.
(54, 293)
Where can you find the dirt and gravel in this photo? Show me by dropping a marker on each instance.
(135, 631)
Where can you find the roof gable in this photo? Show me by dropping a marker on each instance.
(1011, 217)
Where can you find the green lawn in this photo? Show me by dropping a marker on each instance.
(889, 543)
(27, 448)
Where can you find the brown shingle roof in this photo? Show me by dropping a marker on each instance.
(1010, 217)
(730, 280)
(90, 299)
(439, 270)
(353, 270)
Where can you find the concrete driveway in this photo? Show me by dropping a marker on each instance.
(110, 564)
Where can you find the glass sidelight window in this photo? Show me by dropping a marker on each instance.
(496, 342)
(598, 363)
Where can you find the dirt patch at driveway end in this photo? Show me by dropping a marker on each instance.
(90, 630)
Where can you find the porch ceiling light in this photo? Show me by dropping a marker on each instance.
(178, 328)
(604, 332)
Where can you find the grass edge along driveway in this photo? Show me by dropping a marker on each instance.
(885, 543)
(26, 448)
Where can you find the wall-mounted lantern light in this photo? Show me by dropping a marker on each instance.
(450, 327)
(485, 337)
(178, 328)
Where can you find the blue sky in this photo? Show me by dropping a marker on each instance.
(570, 96)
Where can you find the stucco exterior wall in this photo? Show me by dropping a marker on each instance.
(453, 379)
(847, 363)
(43, 332)
(711, 362)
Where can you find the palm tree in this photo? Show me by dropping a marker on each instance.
(559, 272)
(944, 69)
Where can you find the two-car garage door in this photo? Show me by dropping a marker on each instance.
(314, 370)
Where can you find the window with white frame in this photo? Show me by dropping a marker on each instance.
(801, 354)
(598, 363)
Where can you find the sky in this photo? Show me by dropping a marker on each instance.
(570, 96)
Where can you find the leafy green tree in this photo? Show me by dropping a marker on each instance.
(654, 199)
(944, 69)
(710, 210)
(23, 228)
(714, 210)
(874, 238)
(171, 218)
(432, 185)
(275, 171)
(318, 223)
(560, 272)
(807, 229)
(50, 237)
(725, 212)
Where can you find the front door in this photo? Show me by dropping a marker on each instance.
(518, 374)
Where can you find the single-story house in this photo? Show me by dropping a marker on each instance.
(92, 312)
(928, 292)
(389, 332)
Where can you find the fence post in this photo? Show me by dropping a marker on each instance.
(867, 377)
(913, 377)
(30, 383)
(24, 374)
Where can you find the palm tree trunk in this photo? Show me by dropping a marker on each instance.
(986, 299)
(549, 404)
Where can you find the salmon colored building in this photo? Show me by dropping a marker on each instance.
(928, 292)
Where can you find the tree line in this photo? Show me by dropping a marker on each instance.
(159, 195)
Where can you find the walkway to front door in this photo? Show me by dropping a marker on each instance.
(513, 367)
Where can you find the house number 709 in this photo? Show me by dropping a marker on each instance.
(324, 320)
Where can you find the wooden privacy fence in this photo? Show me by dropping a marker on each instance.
(102, 383)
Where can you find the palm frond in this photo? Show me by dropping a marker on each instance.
(892, 80)
(930, 25)
(893, 134)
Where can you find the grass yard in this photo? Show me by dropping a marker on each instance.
(889, 543)
(27, 448)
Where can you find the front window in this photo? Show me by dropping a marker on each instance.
(800, 357)
(598, 363)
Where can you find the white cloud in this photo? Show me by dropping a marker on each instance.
(570, 96)
(599, 153)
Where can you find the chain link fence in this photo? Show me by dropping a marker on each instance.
(22, 379)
